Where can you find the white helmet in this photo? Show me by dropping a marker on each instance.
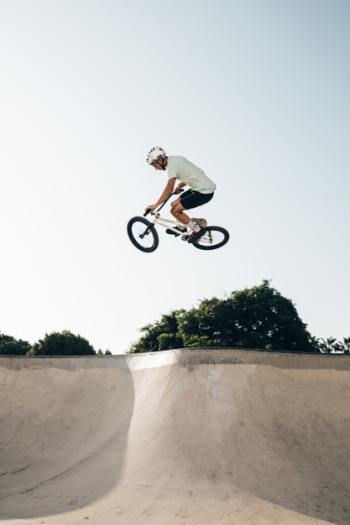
(155, 154)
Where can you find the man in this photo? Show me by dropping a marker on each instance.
(201, 189)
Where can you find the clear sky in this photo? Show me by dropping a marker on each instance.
(255, 92)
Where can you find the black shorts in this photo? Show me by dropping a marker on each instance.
(193, 199)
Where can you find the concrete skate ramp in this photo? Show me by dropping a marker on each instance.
(180, 437)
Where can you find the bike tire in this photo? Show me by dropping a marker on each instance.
(146, 241)
(214, 237)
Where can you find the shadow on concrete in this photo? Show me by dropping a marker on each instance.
(277, 426)
(63, 431)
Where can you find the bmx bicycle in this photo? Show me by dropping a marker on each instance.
(143, 234)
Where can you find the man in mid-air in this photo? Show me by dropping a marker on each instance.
(201, 190)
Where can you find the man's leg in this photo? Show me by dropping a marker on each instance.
(177, 211)
(191, 199)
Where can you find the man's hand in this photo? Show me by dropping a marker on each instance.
(151, 208)
(179, 187)
(168, 190)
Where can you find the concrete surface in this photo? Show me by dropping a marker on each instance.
(190, 437)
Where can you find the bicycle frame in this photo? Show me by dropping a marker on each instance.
(166, 222)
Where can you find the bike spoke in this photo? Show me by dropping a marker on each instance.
(142, 234)
(215, 237)
(212, 238)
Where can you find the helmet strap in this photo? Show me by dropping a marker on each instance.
(161, 163)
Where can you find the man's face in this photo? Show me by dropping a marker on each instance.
(157, 166)
(161, 164)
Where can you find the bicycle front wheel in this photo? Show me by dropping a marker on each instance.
(143, 234)
(214, 238)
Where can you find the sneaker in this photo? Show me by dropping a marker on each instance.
(201, 222)
(180, 229)
(196, 235)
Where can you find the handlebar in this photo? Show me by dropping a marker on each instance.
(163, 203)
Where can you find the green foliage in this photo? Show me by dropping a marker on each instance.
(196, 341)
(162, 335)
(107, 352)
(258, 317)
(331, 345)
(11, 346)
(266, 319)
(64, 343)
(168, 341)
(346, 344)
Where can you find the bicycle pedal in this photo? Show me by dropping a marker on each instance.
(185, 237)
(171, 232)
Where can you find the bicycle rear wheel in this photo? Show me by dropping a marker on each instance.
(214, 238)
(143, 234)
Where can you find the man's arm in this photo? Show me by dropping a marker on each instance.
(168, 190)
(179, 187)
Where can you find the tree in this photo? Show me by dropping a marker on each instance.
(266, 319)
(346, 343)
(331, 345)
(162, 335)
(211, 324)
(64, 343)
(326, 346)
(168, 341)
(258, 317)
(11, 346)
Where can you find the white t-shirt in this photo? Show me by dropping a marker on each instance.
(182, 169)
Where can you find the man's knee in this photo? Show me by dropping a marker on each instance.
(176, 210)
